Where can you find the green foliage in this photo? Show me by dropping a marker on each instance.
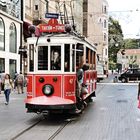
(112, 65)
(131, 44)
(115, 40)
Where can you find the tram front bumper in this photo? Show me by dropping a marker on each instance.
(48, 103)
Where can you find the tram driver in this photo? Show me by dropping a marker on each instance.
(56, 62)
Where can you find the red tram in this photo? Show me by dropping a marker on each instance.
(61, 72)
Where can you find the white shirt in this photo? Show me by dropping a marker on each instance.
(7, 84)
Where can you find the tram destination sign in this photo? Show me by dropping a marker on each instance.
(52, 15)
(52, 26)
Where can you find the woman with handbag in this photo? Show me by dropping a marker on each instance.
(8, 86)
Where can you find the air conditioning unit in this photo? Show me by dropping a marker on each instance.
(35, 14)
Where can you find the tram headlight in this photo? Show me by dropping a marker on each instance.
(48, 90)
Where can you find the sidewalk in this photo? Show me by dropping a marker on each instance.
(13, 96)
(13, 117)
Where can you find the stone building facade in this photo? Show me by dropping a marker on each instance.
(10, 35)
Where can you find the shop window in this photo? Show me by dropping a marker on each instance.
(12, 38)
(2, 65)
(2, 35)
(12, 67)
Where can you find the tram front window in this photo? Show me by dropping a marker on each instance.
(43, 58)
(55, 58)
(31, 57)
(67, 58)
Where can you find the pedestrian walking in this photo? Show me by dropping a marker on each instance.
(20, 82)
(8, 86)
(15, 80)
(112, 71)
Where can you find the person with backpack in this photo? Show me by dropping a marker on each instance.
(8, 86)
(20, 82)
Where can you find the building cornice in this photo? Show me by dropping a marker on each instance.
(9, 16)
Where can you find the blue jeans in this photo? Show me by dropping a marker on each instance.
(7, 94)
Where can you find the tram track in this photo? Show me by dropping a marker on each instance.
(53, 135)
(25, 130)
(58, 131)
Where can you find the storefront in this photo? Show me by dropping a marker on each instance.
(10, 41)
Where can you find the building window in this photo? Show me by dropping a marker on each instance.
(12, 67)
(47, 6)
(106, 51)
(3, 6)
(105, 37)
(105, 10)
(2, 36)
(105, 24)
(12, 38)
(36, 7)
(2, 65)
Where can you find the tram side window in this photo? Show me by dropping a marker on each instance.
(43, 58)
(67, 58)
(79, 56)
(73, 58)
(87, 56)
(31, 58)
(55, 57)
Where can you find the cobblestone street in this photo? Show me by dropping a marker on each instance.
(113, 115)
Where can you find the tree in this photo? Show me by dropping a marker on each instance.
(131, 43)
(115, 40)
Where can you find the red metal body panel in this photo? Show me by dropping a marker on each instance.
(30, 83)
(64, 88)
(70, 87)
(90, 80)
(30, 86)
(48, 80)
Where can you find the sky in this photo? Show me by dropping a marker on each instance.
(127, 12)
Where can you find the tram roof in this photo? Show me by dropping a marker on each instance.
(70, 37)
